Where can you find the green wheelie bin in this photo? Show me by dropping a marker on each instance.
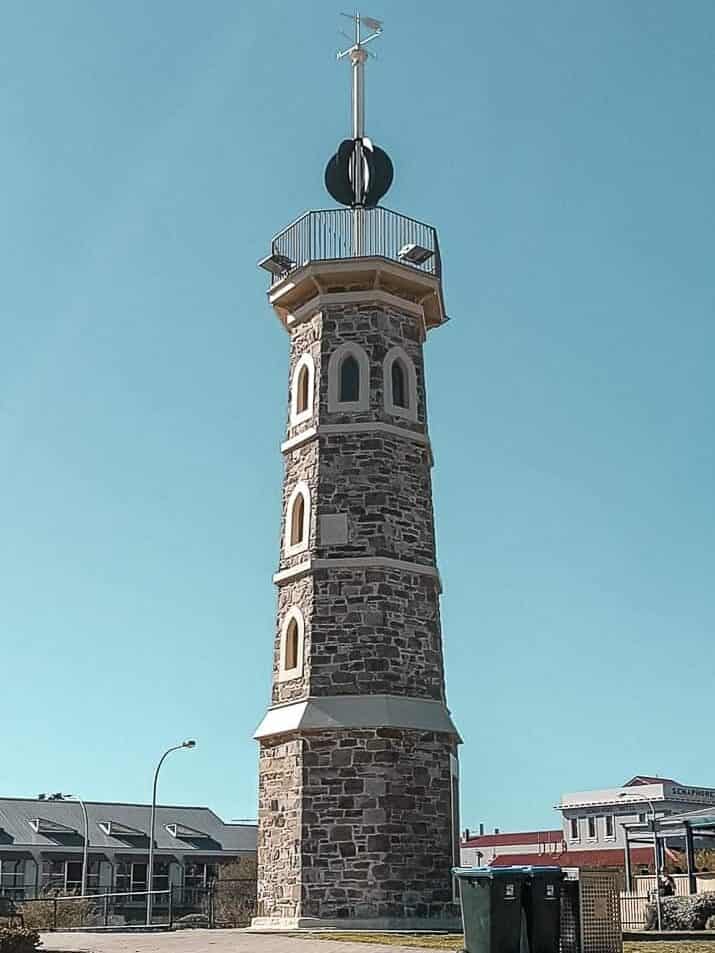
(542, 905)
(492, 907)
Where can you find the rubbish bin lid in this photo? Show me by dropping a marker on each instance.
(490, 873)
(545, 871)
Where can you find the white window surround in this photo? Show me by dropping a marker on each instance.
(592, 825)
(575, 828)
(284, 674)
(609, 834)
(290, 549)
(296, 416)
(335, 405)
(394, 354)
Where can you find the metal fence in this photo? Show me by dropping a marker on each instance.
(221, 903)
(354, 233)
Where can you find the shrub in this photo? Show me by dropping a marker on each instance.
(682, 913)
(40, 914)
(18, 941)
(234, 893)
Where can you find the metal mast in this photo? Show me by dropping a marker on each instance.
(358, 167)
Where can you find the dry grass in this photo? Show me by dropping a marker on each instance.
(674, 946)
(421, 941)
(454, 942)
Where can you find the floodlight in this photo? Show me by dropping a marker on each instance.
(276, 264)
(415, 254)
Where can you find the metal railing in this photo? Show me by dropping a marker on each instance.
(330, 234)
(219, 903)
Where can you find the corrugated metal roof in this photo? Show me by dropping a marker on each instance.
(503, 839)
(576, 858)
(213, 834)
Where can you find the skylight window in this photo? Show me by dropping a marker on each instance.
(183, 832)
(115, 829)
(41, 825)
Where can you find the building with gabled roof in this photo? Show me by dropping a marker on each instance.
(42, 846)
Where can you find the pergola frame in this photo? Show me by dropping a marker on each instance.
(688, 826)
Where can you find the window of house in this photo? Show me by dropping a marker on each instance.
(574, 828)
(399, 384)
(53, 874)
(73, 882)
(610, 831)
(291, 647)
(130, 877)
(301, 403)
(591, 827)
(65, 876)
(297, 520)
(12, 879)
(198, 875)
(348, 379)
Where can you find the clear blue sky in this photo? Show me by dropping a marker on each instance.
(149, 151)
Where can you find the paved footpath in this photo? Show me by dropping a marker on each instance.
(203, 941)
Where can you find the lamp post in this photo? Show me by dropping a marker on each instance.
(150, 868)
(85, 850)
(635, 800)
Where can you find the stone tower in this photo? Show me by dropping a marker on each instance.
(358, 796)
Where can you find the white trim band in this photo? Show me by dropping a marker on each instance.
(356, 562)
(366, 427)
(357, 711)
(294, 442)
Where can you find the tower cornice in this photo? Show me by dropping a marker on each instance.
(376, 279)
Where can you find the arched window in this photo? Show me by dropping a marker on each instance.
(297, 521)
(349, 380)
(290, 663)
(301, 401)
(290, 652)
(297, 528)
(399, 384)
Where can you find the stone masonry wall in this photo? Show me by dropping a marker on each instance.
(279, 827)
(376, 824)
(376, 631)
(383, 484)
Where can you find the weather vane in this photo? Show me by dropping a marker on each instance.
(359, 173)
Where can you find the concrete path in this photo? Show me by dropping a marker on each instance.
(203, 941)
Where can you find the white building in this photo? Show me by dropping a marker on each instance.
(592, 820)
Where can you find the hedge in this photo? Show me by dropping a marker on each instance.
(682, 913)
(18, 941)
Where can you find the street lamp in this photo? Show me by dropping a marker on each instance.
(636, 800)
(150, 872)
(85, 851)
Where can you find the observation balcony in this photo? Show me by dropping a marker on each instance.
(350, 252)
